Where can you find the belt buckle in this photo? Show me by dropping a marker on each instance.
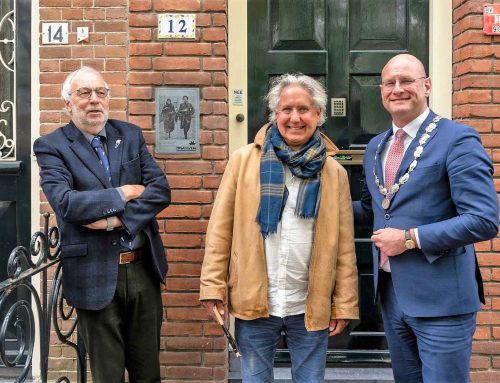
(124, 256)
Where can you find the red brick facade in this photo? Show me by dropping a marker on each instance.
(124, 46)
(476, 98)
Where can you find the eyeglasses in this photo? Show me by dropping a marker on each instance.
(100, 92)
(404, 82)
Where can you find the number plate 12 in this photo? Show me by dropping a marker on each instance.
(176, 26)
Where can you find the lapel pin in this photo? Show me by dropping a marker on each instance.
(117, 143)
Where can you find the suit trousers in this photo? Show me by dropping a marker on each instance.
(126, 333)
(429, 350)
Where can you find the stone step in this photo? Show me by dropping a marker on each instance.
(333, 375)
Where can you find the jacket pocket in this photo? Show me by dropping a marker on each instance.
(75, 250)
(131, 172)
(133, 163)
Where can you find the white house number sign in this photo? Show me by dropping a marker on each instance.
(55, 33)
(176, 26)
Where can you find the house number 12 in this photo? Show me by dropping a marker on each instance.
(176, 26)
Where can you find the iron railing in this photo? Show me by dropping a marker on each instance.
(18, 322)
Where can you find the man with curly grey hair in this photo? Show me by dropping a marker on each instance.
(280, 239)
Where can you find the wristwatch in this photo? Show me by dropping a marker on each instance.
(109, 222)
(409, 243)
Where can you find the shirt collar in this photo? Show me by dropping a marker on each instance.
(412, 127)
(89, 137)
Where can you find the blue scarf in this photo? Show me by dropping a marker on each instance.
(306, 164)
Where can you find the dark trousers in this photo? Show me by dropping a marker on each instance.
(126, 333)
(429, 350)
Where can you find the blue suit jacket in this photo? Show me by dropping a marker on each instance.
(79, 192)
(451, 199)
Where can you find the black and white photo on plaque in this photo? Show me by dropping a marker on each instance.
(177, 121)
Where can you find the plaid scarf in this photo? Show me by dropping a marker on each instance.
(306, 163)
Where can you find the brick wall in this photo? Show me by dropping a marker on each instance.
(476, 98)
(125, 48)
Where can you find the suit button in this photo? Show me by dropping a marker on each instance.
(387, 216)
(114, 242)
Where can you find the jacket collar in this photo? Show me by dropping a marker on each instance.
(331, 149)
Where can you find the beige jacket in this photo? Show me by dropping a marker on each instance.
(234, 252)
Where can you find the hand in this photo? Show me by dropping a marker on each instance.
(337, 326)
(209, 306)
(131, 191)
(390, 241)
(102, 224)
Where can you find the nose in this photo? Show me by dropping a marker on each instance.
(295, 115)
(93, 96)
(397, 87)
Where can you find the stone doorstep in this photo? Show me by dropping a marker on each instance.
(343, 374)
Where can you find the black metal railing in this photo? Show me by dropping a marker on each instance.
(20, 300)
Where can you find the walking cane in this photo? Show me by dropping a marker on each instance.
(229, 337)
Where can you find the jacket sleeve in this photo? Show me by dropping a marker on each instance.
(70, 205)
(140, 211)
(472, 191)
(214, 271)
(345, 294)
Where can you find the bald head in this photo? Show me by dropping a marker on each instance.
(407, 60)
(405, 88)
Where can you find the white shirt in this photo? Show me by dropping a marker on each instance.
(288, 252)
(411, 130)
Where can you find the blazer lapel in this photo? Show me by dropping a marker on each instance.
(378, 154)
(115, 147)
(408, 157)
(84, 151)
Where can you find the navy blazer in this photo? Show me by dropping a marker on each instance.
(79, 192)
(451, 199)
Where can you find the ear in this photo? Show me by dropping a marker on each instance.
(67, 105)
(428, 87)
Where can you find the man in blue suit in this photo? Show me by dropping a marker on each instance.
(440, 201)
(106, 189)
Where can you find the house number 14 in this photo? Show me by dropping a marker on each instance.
(55, 33)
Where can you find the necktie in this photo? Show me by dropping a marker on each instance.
(394, 158)
(96, 143)
(101, 153)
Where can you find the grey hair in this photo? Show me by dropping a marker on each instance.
(69, 80)
(312, 86)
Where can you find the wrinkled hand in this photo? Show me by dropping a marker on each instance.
(209, 306)
(131, 191)
(390, 241)
(337, 326)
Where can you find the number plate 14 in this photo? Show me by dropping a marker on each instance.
(176, 26)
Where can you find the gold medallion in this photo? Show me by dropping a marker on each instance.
(385, 203)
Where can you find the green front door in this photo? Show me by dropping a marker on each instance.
(344, 44)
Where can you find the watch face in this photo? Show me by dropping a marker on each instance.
(409, 244)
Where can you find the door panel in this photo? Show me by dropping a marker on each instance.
(344, 44)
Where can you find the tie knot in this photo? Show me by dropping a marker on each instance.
(400, 133)
(96, 142)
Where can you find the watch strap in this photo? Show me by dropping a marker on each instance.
(109, 224)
